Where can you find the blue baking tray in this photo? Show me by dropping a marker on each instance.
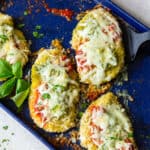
(57, 27)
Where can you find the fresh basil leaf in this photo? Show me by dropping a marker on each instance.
(19, 98)
(17, 69)
(7, 87)
(5, 69)
(22, 85)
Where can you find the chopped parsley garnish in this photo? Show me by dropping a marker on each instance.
(21, 25)
(5, 127)
(3, 38)
(115, 138)
(80, 114)
(25, 13)
(5, 140)
(37, 27)
(55, 87)
(37, 34)
(12, 133)
(46, 96)
(84, 105)
(130, 134)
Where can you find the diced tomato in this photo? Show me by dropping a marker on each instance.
(70, 67)
(97, 108)
(87, 68)
(79, 52)
(64, 57)
(83, 61)
(39, 114)
(104, 31)
(123, 148)
(40, 108)
(45, 122)
(95, 126)
(98, 141)
(41, 117)
(37, 95)
(78, 60)
(112, 27)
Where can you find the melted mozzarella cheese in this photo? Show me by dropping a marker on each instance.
(100, 33)
(114, 125)
(62, 91)
(13, 46)
(54, 74)
(6, 30)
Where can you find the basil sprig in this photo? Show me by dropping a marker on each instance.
(7, 87)
(14, 82)
(5, 69)
(17, 69)
(22, 91)
(19, 98)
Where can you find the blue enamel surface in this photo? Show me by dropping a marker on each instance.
(57, 27)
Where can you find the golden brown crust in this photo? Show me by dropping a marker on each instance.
(5, 19)
(94, 92)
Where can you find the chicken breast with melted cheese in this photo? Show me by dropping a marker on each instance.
(54, 91)
(97, 40)
(13, 46)
(106, 126)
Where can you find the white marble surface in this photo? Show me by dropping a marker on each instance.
(13, 136)
(138, 8)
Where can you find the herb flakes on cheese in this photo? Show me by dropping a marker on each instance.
(13, 46)
(98, 44)
(54, 93)
(105, 125)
